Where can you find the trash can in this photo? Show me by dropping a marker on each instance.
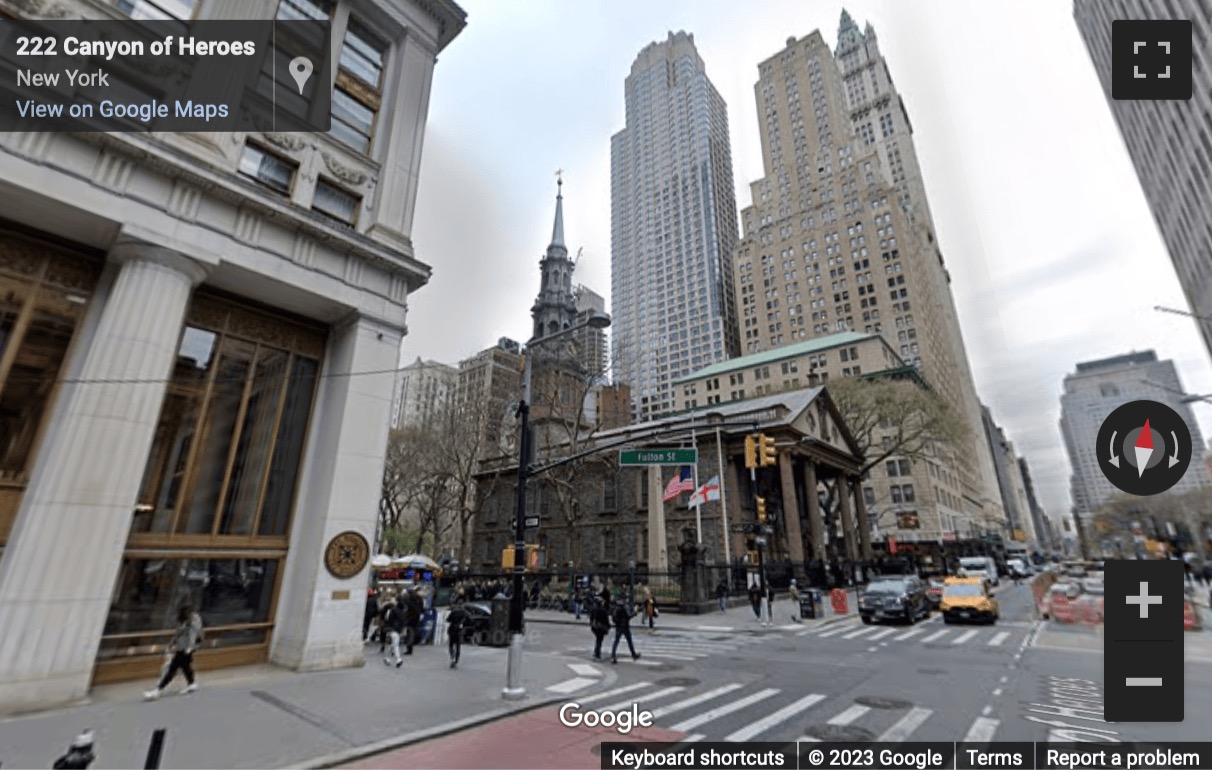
(498, 624)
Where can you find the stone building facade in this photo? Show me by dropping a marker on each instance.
(199, 339)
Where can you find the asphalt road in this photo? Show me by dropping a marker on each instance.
(1018, 680)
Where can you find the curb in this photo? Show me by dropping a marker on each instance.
(354, 753)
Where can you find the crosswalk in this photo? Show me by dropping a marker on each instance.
(681, 645)
(1004, 635)
(728, 712)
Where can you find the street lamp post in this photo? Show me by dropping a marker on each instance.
(513, 675)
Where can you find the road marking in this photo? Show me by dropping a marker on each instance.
(841, 628)
(647, 663)
(965, 636)
(714, 628)
(987, 710)
(790, 627)
(692, 738)
(670, 657)
(908, 634)
(696, 700)
(873, 649)
(860, 632)
(935, 635)
(646, 697)
(803, 633)
(778, 717)
(807, 739)
(616, 691)
(1003, 680)
(998, 638)
(563, 688)
(584, 669)
(906, 725)
(997, 692)
(982, 730)
(720, 711)
(849, 715)
(882, 634)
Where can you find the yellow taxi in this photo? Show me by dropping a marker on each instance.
(967, 599)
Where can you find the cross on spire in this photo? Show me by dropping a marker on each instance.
(560, 176)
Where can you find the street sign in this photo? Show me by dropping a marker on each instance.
(658, 457)
(532, 521)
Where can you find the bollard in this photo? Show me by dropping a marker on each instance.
(154, 750)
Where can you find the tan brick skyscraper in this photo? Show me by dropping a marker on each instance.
(840, 238)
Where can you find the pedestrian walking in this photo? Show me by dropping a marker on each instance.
(769, 605)
(371, 613)
(189, 635)
(721, 593)
(650, 610)
(599, 623)
(394, 624)
(794, 591)
(414, 610)
(388, 601)
(755, 600)
(605, 595)
(622, 628)
(454, 621)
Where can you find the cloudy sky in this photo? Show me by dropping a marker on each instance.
(1053, 253)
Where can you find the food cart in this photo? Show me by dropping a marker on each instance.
(392, 575)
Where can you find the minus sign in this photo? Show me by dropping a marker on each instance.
(1143, 681)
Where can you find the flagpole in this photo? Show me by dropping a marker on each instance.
(698, 508)
(719, 459)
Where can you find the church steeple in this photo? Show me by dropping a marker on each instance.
(555, 308)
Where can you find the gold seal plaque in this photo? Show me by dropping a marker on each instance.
(346, 554)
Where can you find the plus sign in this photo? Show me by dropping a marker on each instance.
(1144, 600)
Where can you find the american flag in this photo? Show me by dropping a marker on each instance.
(683, 482)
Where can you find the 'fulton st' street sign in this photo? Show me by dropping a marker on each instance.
(658, 457)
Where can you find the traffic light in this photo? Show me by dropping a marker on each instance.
(751, 452)
(761, 510)
(766, 451)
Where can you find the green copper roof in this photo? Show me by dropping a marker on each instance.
(779, 354)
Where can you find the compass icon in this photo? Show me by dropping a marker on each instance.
(1144, 448)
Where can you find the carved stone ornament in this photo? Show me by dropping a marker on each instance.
(292, 142)
(344, 173)
(44, 9)
(346, 554)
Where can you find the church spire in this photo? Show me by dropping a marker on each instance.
(557, 232)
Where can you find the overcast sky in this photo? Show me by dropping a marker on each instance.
(1053, 253)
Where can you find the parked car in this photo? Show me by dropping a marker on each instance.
(1018, 569)
(894, 598)
(968, 599)
(1070, 591)
(934, 591)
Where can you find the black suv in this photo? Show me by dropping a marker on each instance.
(895, 598)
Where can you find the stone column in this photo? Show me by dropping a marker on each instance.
(791, 515)
(319, 616)
(658, 551)
(843, 499)
(864, 526)
(816, 525)
(401, 138)
(58, 571)
(733, 486)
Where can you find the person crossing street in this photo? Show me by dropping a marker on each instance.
(393, 626)
(599, 623)
(622, 629)
(455, 620)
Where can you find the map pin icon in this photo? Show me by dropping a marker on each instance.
(300, 70)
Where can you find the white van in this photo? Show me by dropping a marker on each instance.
(980, 566)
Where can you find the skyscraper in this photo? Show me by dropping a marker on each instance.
(1096, 389)
(839, 238)
(673, 226)
(1170, 142)
(591, 341)
(424, 391)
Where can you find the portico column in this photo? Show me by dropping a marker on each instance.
(843, 499)
(318, 623)
(658, 552)
(816, 525)
(58, 571)
(864, 526)
(732, 483)
(791, 515)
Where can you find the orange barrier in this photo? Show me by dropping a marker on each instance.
(1062, 609)
(1088, 613)
(1191, 621)
(838, 598)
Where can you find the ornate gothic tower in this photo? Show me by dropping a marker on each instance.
(556, 307)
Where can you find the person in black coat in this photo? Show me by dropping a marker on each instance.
(456, 618)
(368, 617)
(599, 623)
(721, 593)
(394, 623)
(622, 628)
(414, 611)
(755, 600)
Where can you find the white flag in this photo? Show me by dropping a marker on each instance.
(707, 492)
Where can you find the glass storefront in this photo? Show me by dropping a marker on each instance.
(212, 520)
(43, 294)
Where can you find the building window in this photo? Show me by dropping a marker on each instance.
(305, 10)
(335, 202)
(608, 496)
(895, 490)
(907, 492)
(358, 95)
(868, 495)
(159, 10)
(890, 467)
(268, 169)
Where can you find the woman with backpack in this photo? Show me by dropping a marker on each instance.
(189, 635)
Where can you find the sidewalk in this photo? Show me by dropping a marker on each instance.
(737, 617)
(268, 717)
